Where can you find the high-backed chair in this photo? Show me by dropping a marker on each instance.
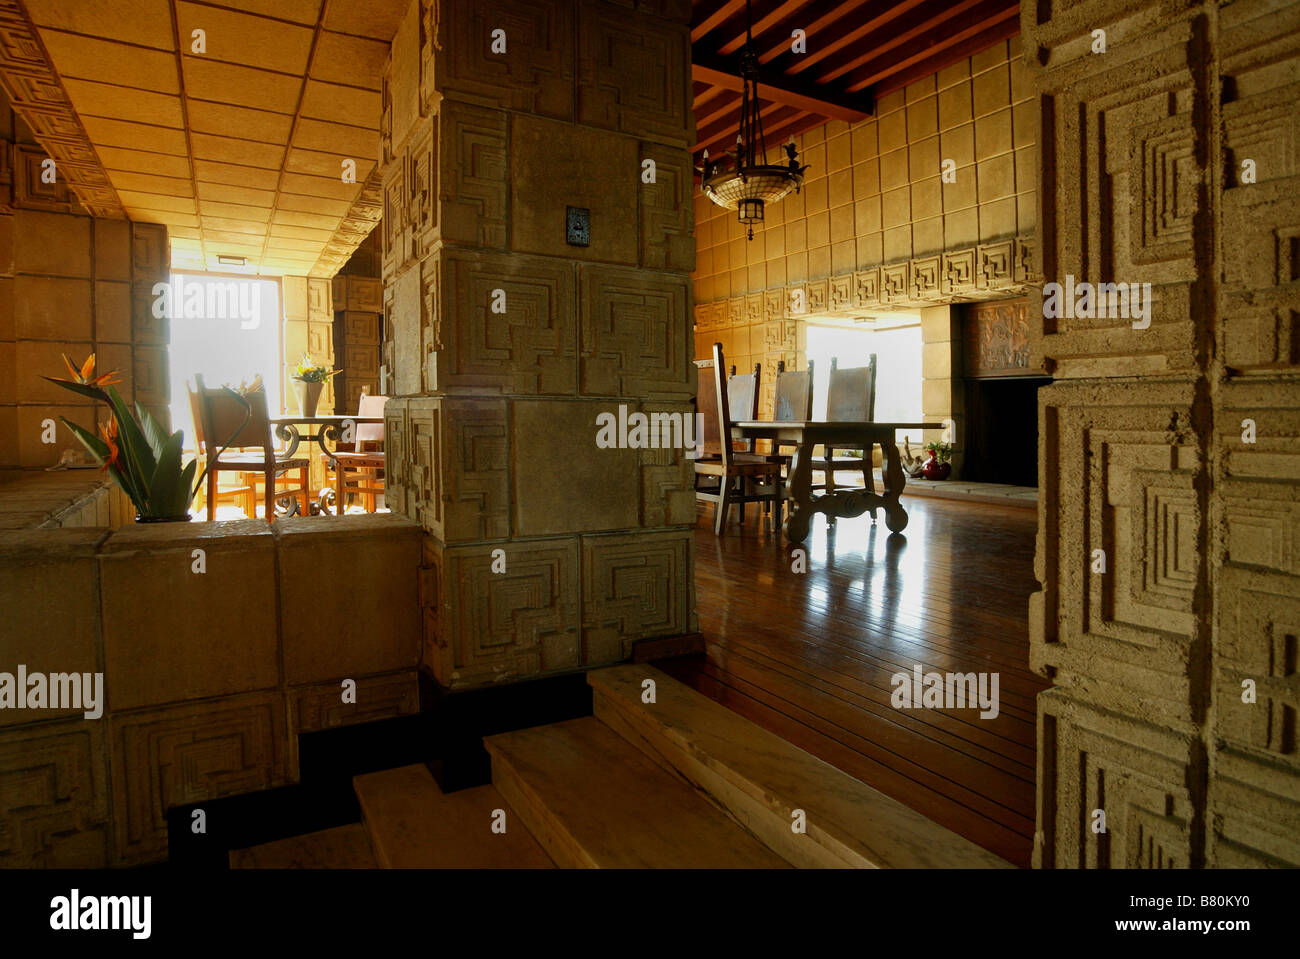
(244, 491)
(741, 477)
(251, 450)
(851, 397)
(742, 401)
(361, 471)
(794, 401)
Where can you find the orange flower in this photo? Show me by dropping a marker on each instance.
(109, 432)
(86, 375)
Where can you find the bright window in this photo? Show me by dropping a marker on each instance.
(226, 329)
(898, 369)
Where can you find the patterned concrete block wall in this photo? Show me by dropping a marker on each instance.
(504, 342)
(1170, 441)
(193, 708)
(876, 225)
(68, 284)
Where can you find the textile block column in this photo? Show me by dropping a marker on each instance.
(504, 129)
(1170, 442)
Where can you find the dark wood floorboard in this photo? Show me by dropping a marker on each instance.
(810, 656)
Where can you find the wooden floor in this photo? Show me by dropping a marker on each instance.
(810, 656)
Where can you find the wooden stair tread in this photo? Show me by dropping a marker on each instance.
(343, 847)
(761, 779)
(595, 801)
(414, 825)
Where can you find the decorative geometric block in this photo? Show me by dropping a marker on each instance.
(451, 467)
(534, 75)
(667, 214)
(632, 332)
(506, 324)
(54, 796)
(1120, 478)
(498, 627)
(633, 587)
(632, 74)
(473, 184)
(184, 754)
(1136, 773)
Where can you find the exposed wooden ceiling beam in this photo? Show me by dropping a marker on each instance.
(780, 19)
(722, 135)
(919, 23)
(946, 58)
(794, 127)
(935, 42)
(721, 109)
(725, 10)
(834, 32)
(826, 101)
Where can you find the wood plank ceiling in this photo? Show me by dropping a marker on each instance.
(238, 150)
(856, 51)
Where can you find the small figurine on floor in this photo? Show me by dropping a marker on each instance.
(912, 465)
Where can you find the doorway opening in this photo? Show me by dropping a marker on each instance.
(225, 329)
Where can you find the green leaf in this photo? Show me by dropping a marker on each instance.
(97, 447)
(187, 486)
(165, 488)
(153, 431)
(136, 451)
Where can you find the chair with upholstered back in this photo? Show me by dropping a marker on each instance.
(245, 434)
(793, 401)
(361, 470)
(742, 400)
(741, 477)
(851, 398)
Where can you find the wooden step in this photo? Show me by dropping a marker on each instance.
(762, 779)
(343, 847)
(413, 825)
(594, 801)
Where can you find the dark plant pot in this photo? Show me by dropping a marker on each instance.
(934, 470)
(308, 395)
(163, 519)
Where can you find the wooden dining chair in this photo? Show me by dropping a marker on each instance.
(851, 397)
(251, 450)
(740, 477)
(244, 492)
(361, 471)
(742, 401)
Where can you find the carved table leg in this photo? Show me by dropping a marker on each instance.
(801, 504)
(895, 515)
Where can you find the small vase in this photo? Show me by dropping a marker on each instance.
(163, 519)
(934, 470)
(308, 395)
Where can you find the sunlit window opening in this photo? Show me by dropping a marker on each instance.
(898, 369)
(227, 330)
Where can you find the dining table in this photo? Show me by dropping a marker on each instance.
(334, 427)
(805, 435)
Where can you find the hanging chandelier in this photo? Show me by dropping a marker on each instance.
(751, 183)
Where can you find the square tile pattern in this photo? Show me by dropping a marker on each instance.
(248, 129)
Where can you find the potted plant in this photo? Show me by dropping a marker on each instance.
(308, 381)
(135, 450)
(938, 467)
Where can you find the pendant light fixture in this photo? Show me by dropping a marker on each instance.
(750, 183)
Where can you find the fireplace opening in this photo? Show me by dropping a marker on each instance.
(1002, 430)
(1001, 394)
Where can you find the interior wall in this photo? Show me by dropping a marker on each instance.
(1169, 456)
(504, 342)
(874, 192)
(68, 284)
(876, 228)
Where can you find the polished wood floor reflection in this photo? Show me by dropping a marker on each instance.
(810, 656)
